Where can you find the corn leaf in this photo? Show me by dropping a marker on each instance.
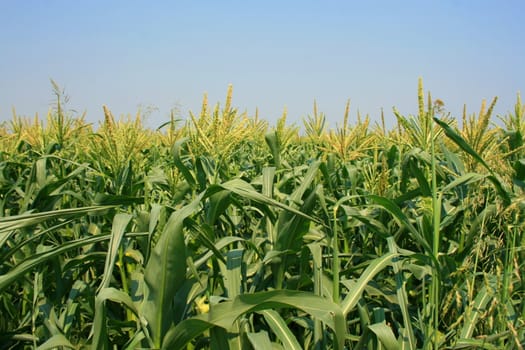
(225, 314)
(354, 294)
(260, 340)
(165, 273)
(57, 340)
(281, 330)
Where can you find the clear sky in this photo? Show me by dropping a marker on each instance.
(277, 54)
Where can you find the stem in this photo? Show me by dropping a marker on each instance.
(123, 275)
(318, 327)
(335, 267)
(436, 223)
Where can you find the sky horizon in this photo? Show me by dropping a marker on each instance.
(163, 55)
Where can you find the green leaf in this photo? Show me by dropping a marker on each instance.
(268, 174)
(35, 260)
(401, 219)
(120, 222)
(463, 180)
(48, 193)
(9, 224)
(117, 296)
(57, 340)
(217, 205)
(385, 335)
(291, 227)
(111, 199)
(458, 140)
(280, 329)
(416, 171)
(232, 274)
(178, 162)
(402, 297)
(99, 330)
(474, 311)
(466, 147)
(215, 251)
(165, 273)
(275, 147)
(245, 190)
(68, 314)
(260, 340)
(225, 314)
(355, 292)
(474, 344)
(306, 182)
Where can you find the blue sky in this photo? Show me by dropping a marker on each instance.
(277, 54)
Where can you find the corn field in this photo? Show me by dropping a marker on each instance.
(220, 231)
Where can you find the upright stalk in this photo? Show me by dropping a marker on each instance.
(436, 220)
(336, 263)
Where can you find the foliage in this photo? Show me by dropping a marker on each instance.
(222, 232)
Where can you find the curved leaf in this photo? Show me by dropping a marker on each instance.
(281, 330)
(376, 266)
(19, 270)
(58, 340)
(225, 314)
(165, 273)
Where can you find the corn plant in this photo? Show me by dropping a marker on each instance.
(221, 231)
